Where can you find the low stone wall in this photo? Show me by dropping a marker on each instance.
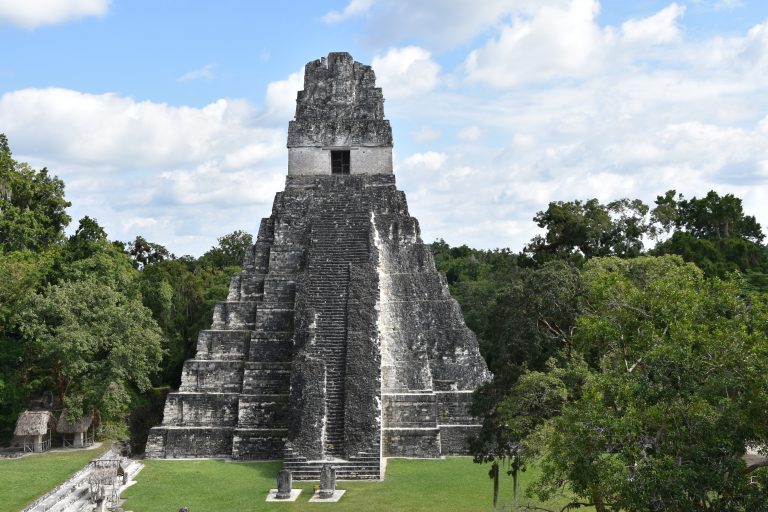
(454, 439)
(411, 442)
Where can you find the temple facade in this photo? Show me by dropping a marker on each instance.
(339, 341)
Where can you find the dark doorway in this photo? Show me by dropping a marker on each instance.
(340, 162)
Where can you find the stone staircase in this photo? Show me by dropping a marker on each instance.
(338, 238)
(363, 466)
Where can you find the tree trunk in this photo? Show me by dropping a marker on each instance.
(597, 500)
(495, 476)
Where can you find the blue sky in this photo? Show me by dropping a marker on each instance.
(168, 119)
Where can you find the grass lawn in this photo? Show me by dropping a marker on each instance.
(24, 479)
(455, 484)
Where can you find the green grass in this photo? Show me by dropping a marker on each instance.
(455, 484)
(23, 480)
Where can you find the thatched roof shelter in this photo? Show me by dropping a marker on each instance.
(64, 426)
(33, 423)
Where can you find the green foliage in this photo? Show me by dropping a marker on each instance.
(88, 254)
(714, 233)
(230, 252)
(21, 273)
(579, 230)
(679, 368)
(146, 412)
(716, 218)
(474, 277)
(181, 296)
(32, 205)
(144, 253)
(91, 343)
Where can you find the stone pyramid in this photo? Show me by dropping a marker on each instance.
(339, 341)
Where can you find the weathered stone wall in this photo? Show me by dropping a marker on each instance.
(307, 421)
(411, 442)
(339, 108)
(362, 401)
(316, 161)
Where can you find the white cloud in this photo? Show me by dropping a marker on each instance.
(35, 13)
(280, 103)
(470, 133)
(407, 71)
(194, 187)
(554, 41)
(179, 175)
(660, 28)
(206, 73)
(727, 5)
(431, 160)
(426, 134)
(438, 23)
(108, 130)
(652, 110)
(353, 8)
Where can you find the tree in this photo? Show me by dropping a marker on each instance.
(676, 392)
(92, 344)
(714, 233)
(144, 253)
(528, 327)
(32, 205)
(577, 230)
(716, 218)
(230, 252)
(21, 273)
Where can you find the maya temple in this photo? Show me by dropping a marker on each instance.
(339, 342)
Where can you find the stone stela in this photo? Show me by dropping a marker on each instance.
(339, 342)
(284, 485)
(327, 481)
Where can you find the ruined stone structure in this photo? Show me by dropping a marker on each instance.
(339, 341)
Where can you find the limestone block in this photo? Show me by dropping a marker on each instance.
(454, 439)
(201, 409)
(194, 442)
(280, 289)
(272, 346)
(258, 444)
(216, 376)
(454, 407)
(222, 344)
(262, 411)
(415, 286)
(246, 287)
(262, 378)
(409, 410)
(286, 259)
(411, 442)
(234, 315)
(362, 405)
(257, 259)
(271, 318)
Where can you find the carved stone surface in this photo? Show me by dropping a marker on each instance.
(339, 106)
(339, 341)
(327, 481)
(284, 484)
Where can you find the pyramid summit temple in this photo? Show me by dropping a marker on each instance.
(339, 342)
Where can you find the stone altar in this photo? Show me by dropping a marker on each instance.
(339, 342)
